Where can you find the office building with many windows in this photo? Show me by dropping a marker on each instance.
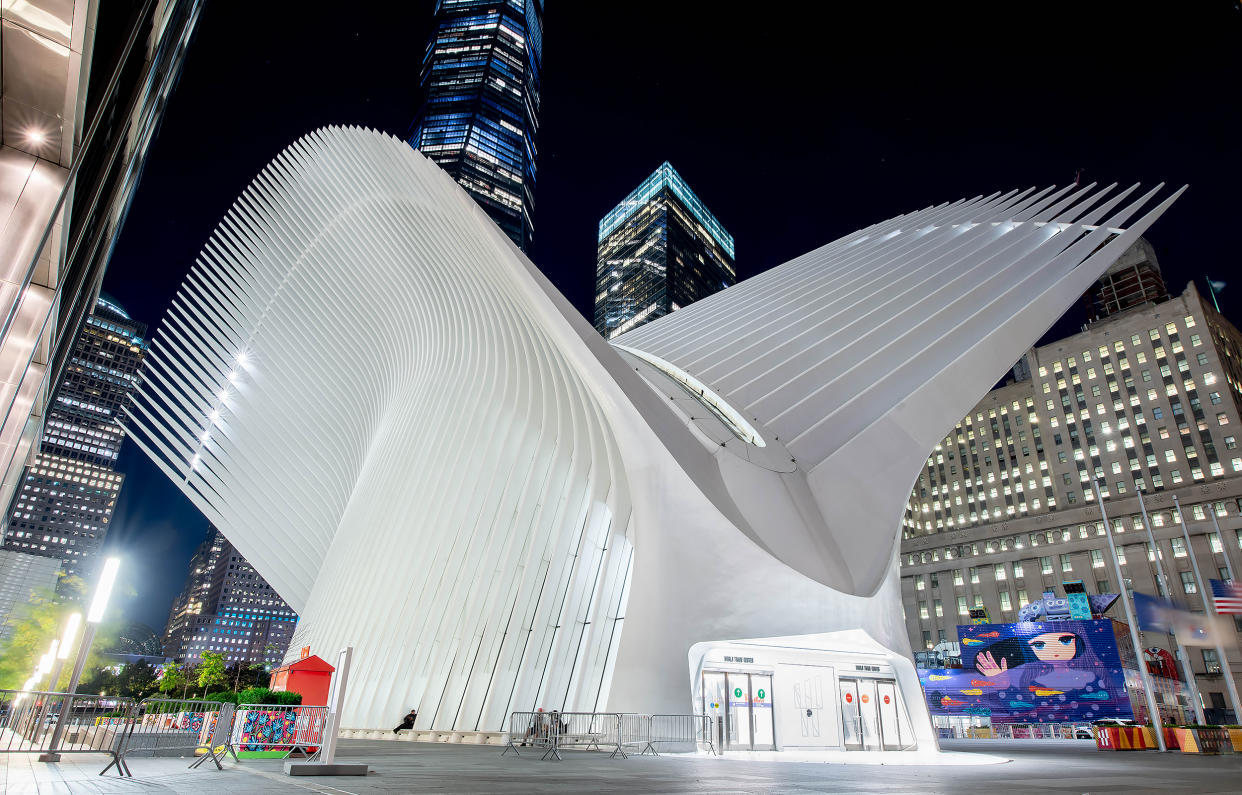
(1144, 399)
(659, 250)
(480, 115)
(227, 607)
(64, 505)
(85, 86)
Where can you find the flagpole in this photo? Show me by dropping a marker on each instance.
(1153, 712)
(1188, 671)
(1210, 609)
(1216, 526)
(1212, 290)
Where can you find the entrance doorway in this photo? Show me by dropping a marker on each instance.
(871, 716)
(741, 708)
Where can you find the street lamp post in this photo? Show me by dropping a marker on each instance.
(62, 650)
(99, 605)
(1153, 711)
(1220, 648)
(1188, 671)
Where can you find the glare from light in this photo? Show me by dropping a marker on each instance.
(233, 377)
(36, 137)
(214, 416)
(45, 662)
(195, 461)
(222, 395)
(71, 632)
(205, 436)
(103, 590)
(242, 358)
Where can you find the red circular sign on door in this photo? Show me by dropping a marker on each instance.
(886, 699)
(849, 698)
(865, 699)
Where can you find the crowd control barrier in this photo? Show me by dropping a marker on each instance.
(606, 731)
(291, 729)
(680, 730)
(156, 726)
(28, 721)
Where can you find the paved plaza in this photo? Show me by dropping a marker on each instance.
(986, 767)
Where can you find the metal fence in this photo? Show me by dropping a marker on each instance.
(1042, 731)
(93, 724)
(288, 728)
(606, 731)
(685, 731)
(158, 726)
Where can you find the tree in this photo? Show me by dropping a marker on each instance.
(243, 676)
(136, 680)
(211, 672)
(172, 680)
(41, 620)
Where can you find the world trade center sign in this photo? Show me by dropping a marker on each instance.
(434, 458)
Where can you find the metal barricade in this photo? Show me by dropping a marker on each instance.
(93, 724)
(159, 725)
(528, 729)
(286, 727)
(635, 730)
(691, 730)
(553, 731)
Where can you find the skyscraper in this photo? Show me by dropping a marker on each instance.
(64, 503)
(659, 249)
(85, 87)
(227, 607)
(480, 115)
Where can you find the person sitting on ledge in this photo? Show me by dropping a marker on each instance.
(408, 721)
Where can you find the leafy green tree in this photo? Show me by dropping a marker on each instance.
(173, 680)
(211, 672)
(137, 680)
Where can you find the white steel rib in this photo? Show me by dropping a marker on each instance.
(431, 456)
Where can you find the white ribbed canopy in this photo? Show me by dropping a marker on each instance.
(427, 452)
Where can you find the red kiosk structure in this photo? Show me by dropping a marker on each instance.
(310, 676)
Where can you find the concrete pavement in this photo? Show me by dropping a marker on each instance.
(1035, 766)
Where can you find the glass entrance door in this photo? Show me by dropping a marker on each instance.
(762, 737)
(746, 702)
(868, 709)
(851, 717)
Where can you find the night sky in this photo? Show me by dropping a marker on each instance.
(794, 126)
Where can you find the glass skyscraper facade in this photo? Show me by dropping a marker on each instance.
(480, 115)
(227, 607)
(64, 502)
(659, 249)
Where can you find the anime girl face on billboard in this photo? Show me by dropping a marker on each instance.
(1036, 671)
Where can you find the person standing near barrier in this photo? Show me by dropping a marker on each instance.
(408, 721)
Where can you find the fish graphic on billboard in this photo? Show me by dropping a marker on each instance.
(1021, 704)
(992, 634)
(1098, 695)
(981, 683)
(951, 702)
(972, 691)
(1041, 691)
(938, 677)
(971, 642)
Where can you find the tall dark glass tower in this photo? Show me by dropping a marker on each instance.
(480, 113)
(659, 249)
(64, 502)
(227, 607)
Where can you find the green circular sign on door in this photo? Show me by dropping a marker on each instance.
(761, 694)
(737, 692)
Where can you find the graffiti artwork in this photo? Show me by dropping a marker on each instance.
(1035, 671)
(267, 730)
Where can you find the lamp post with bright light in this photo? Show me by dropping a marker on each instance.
(62, 650)
(99, 605)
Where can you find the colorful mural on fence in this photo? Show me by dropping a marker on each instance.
(267, 730)
(1033, 672)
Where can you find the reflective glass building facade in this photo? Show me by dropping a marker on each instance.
(659, 249)
(64, 503)
(480, 115)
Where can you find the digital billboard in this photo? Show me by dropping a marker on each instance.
(1033, 672)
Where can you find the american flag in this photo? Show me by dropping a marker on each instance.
(1228, 596)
